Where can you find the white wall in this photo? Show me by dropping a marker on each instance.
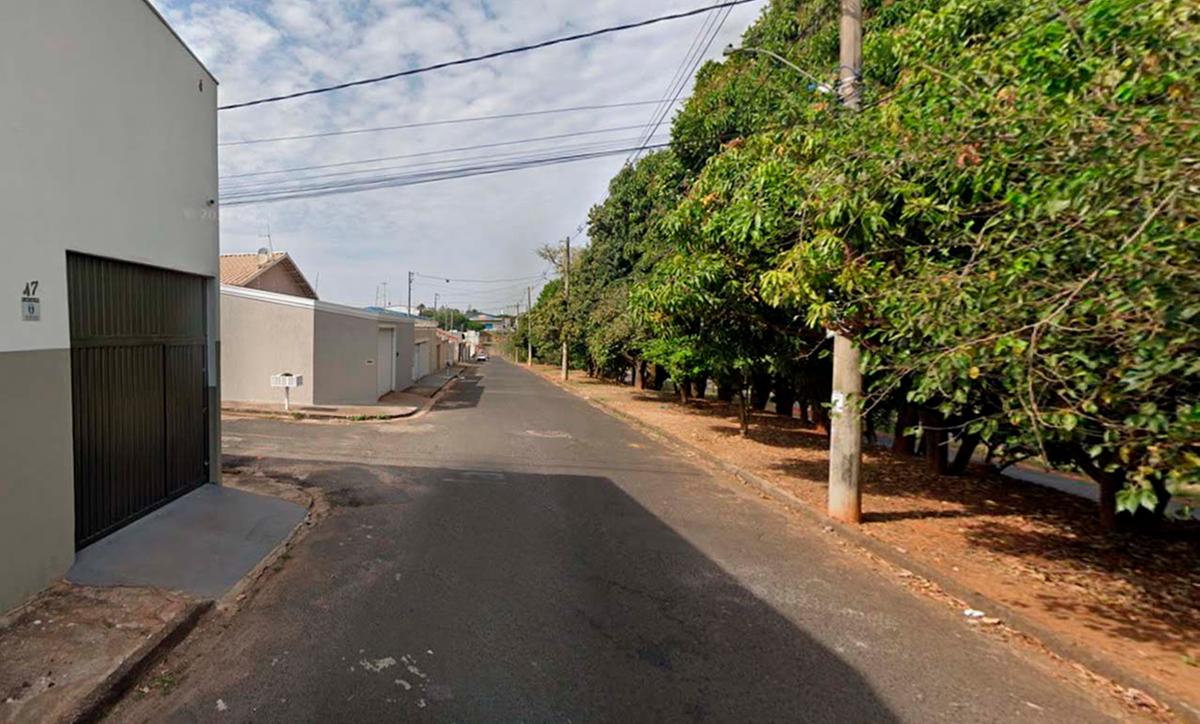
(107, 146)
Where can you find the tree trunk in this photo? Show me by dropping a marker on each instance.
(785, 397)
(933, 439)
(1164, 498)
(1110, 484)
(660, 377)
(684, 386)
(760, 391)
(725, 391)
(821, 418)
(743, 414)
(805, 418)
(639, 374)
(967, 444)
(699, 387)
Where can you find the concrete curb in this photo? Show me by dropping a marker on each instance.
(303, 415)
(317, 508)
(109, 691)
(1017, 622)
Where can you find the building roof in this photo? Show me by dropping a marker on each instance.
(240, 269)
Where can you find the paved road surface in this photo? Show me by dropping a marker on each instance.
(518, 555)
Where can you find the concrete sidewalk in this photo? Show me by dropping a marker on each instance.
(431, 384)
(201, 544)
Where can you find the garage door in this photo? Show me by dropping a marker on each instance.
(385, 368)
(138, 388)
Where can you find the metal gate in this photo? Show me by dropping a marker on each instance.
(138, 389)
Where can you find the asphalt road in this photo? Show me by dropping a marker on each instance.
(517, 555)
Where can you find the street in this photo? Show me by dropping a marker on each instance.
(518, 555)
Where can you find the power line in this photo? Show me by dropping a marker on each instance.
(440, 278)
(683, 82)
(237, 186)
(443, 122)
(486, 56)
(680, 69)
(286, 184)
(476, 147)
(415, 179)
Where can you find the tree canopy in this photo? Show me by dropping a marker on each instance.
(1007, 230)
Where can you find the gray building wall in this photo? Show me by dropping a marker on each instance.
(344, 350)
(259, 339)
(37, 495)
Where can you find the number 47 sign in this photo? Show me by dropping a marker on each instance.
(31, 305)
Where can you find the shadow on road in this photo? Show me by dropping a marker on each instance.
(465, 394)
(545, 597)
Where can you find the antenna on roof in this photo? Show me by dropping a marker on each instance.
(270, 242)
(264, 256)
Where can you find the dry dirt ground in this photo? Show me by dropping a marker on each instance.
(1133, 600)
(57, 649)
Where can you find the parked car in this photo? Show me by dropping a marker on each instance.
(481, 357)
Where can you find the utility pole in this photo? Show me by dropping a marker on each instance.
(410, 281)
(528, 336)
(566, 370)
(845, 433)
(435, 308)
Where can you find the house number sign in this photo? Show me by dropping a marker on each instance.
(31, 305)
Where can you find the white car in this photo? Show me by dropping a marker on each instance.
(481, 357)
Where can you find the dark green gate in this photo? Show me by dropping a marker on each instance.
(138, 387)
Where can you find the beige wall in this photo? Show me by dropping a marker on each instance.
(429, 352)
(344, 361)
(259, 339)
(404, 356)
(37, 494)
(278, 280)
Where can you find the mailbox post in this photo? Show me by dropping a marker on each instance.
(287, 381)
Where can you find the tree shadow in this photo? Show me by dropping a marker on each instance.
(1154, 578)
(467, 392)
(885, 516)
(1156, 600)
(1138, 587)
(621, 616)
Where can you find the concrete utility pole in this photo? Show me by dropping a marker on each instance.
(528, 336)
(410, 281)
(845, 434)
(566, 370)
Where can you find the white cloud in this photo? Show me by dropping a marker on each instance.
(483, 227)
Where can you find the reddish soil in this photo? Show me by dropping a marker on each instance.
(1132, 599)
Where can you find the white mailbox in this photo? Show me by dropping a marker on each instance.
(287, 379)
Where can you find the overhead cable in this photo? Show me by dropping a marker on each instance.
(486, 56)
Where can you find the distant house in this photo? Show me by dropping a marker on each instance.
(492, 322)
(272, 324)
(267, 271)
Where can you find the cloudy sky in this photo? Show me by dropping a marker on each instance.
(484, 227)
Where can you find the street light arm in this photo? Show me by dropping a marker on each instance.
(821, 84)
